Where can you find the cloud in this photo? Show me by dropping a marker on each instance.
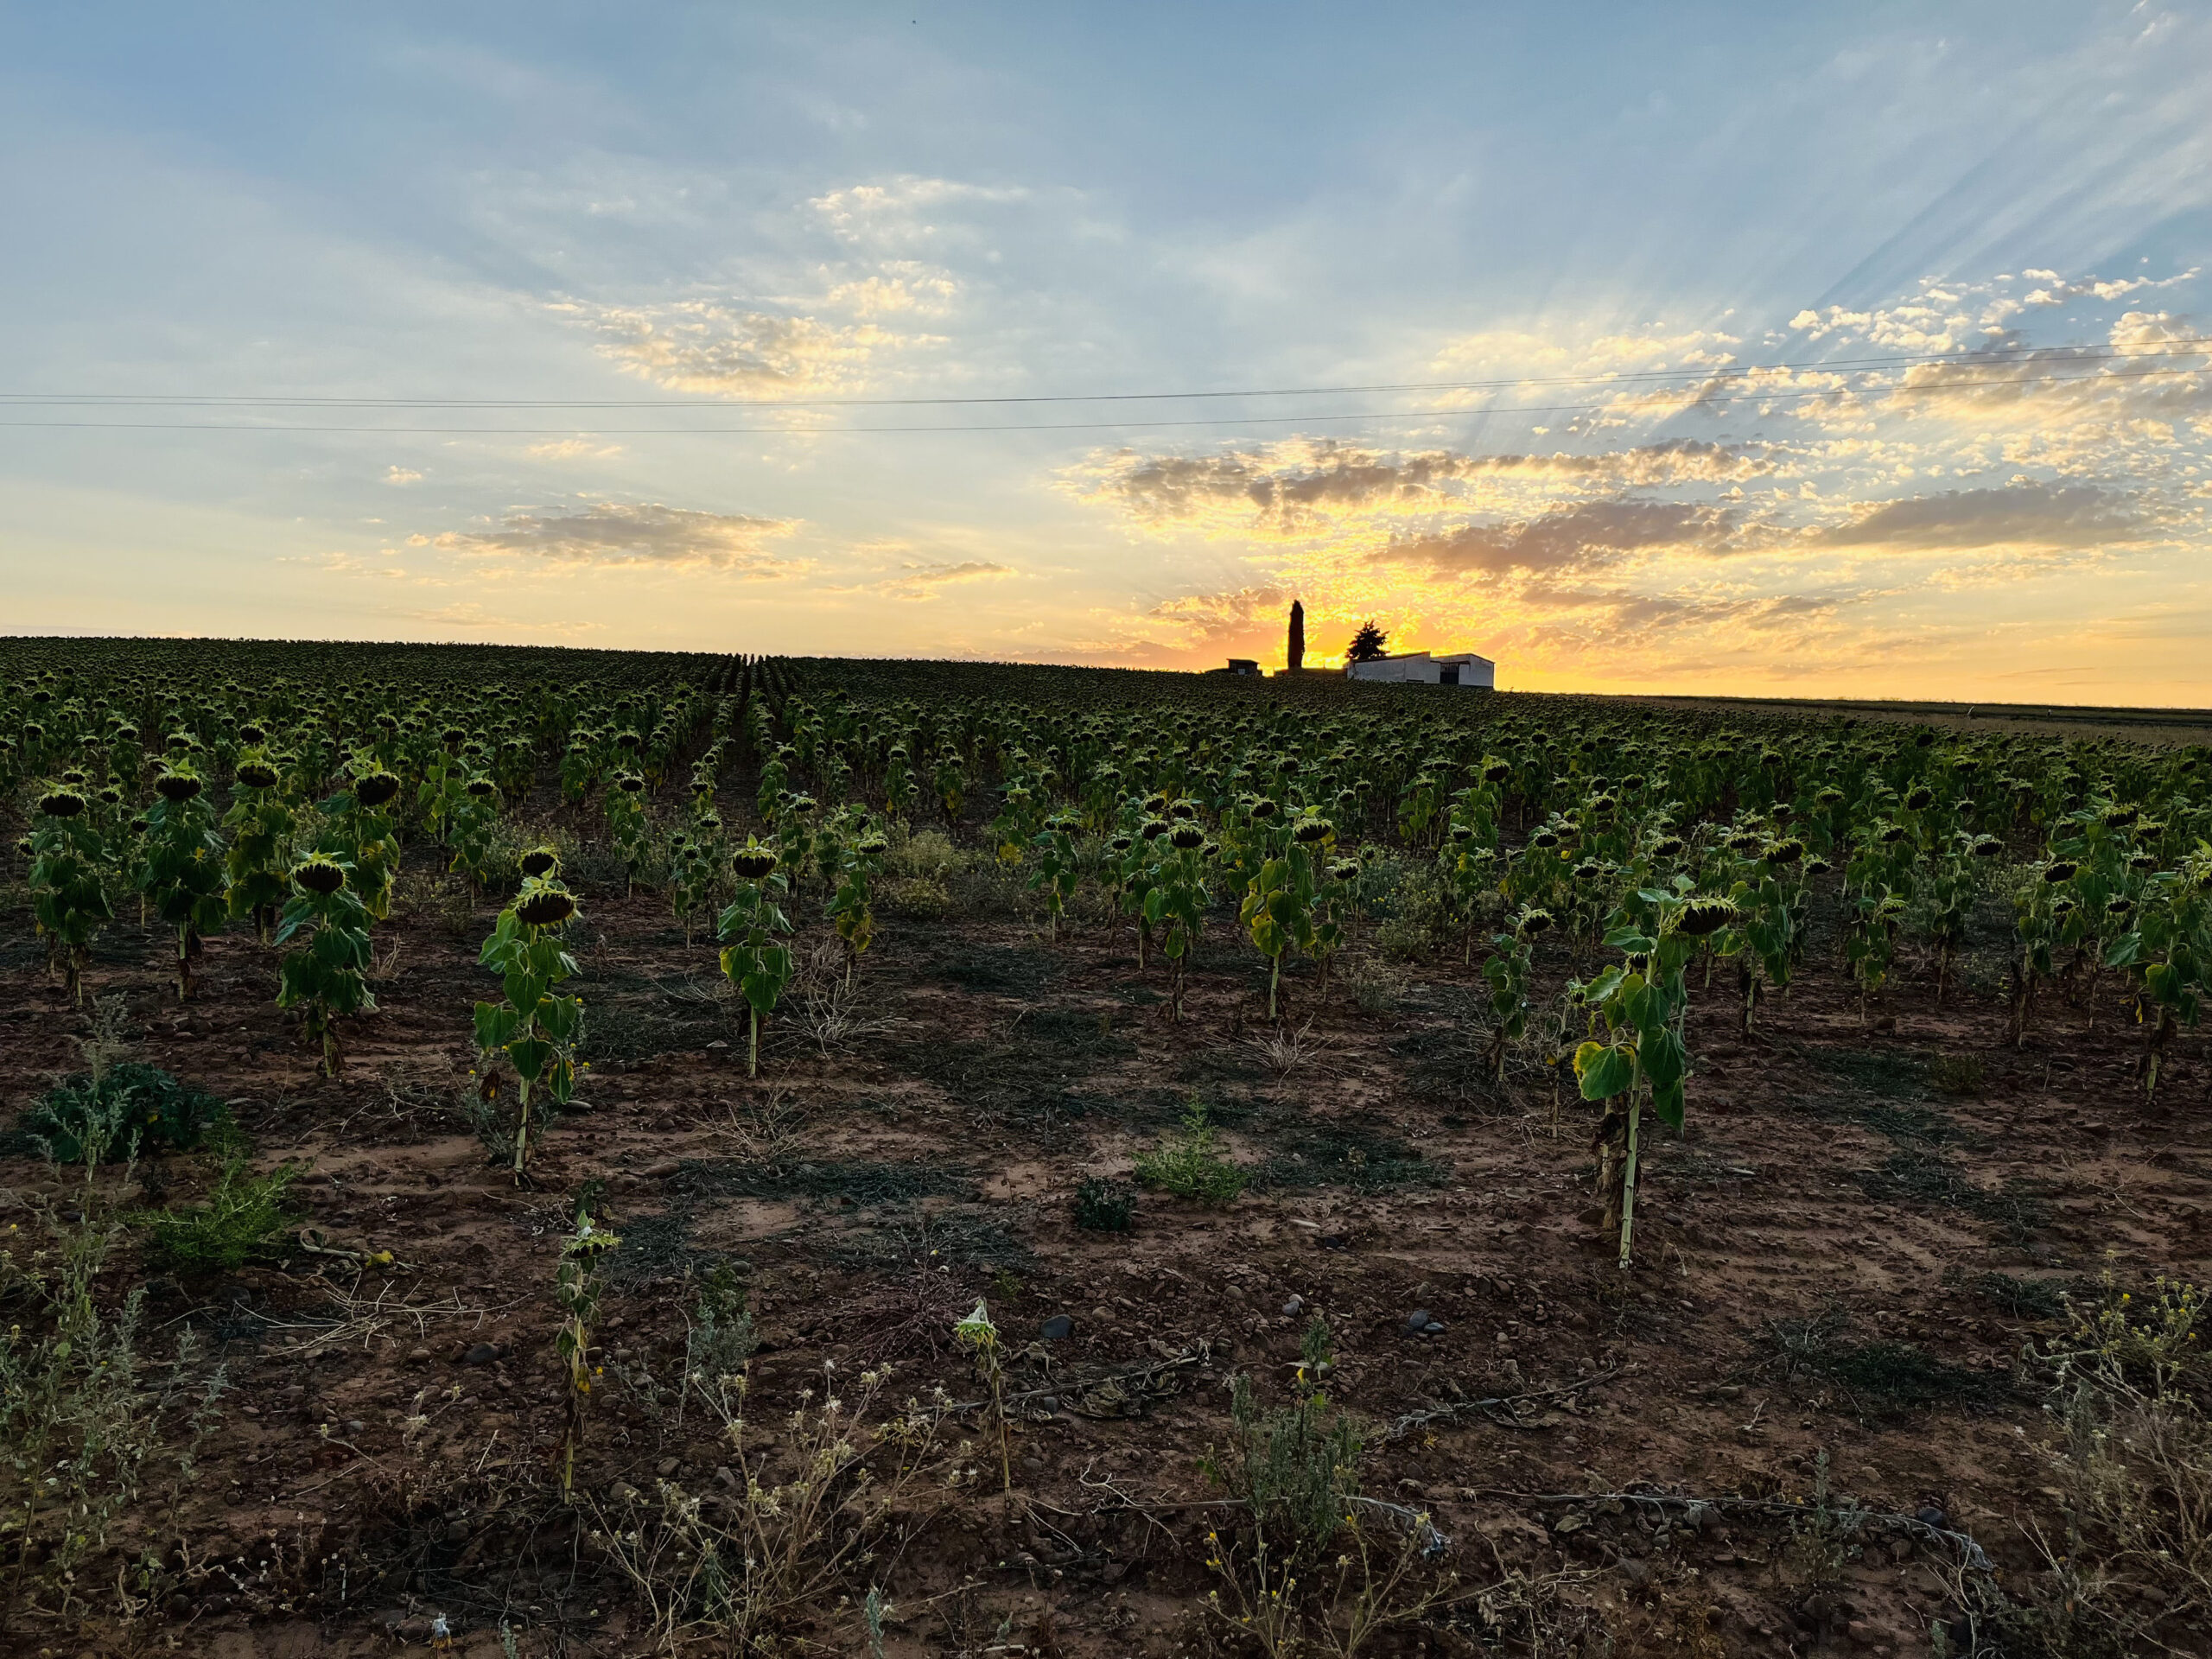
(612, 534)
(922, 581)
(2025, 513)
(1302, 486)
(1576, 537)
(573, 449)
(706, 346)
(398, 474)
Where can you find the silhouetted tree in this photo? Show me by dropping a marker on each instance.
(1369, 643)
(1296, 657)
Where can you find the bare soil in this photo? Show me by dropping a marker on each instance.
(1826, 1206)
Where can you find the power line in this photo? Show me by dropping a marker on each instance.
(2180, 346)
(1709, 395)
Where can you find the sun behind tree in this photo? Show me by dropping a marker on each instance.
(1368, 644)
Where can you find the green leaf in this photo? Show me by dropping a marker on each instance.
(1603, 1071)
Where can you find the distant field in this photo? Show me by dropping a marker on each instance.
(2055, 719)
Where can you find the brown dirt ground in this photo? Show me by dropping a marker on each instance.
(1820, 1175)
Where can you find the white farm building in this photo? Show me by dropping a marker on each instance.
(1461, 668)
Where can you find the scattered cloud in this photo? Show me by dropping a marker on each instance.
(1573, 538)
(573, 449)
(923, 581)
(398, 474)
(716, 349)
(615, 534)
(1299, 486)
(2024, 513)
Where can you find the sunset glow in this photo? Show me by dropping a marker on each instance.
(1860, 353)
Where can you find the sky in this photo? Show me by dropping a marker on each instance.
(1737, 349)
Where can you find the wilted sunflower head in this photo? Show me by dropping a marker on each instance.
(1667, 847)
(480, 788)
(1187, 838)
(1344, 869)
(1920, 798)
(253, 732)
(321, 876)
(1152, 829)
(110, 795)
(543, 905)
(1311, 832)
(1546, 839)
(1889, 834)
(2060, 869)
(257, 773)
(1703, 916)
(1817, 866)
(2142, 861)
(1788, 851)
(1496, 772)
(708, 823)
(1463, 832)
(1588, 870)
(377, 789)
(753, 862)
(75, 777)
(630, 783)
(538, 863)
(2119, 906)
(1263, 810)
(1533, 922)
(1183, 811)
(61, 803)
(453, 736)
(1745, 841)
(1155, 803)
(872, 846)
(1120, 844)
(1985, 846)
(2118, 817)
(177, 787)
(1829, 797)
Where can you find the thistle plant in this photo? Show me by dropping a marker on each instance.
(327, 977)
(260, 825)
(577, 1290)
(755, 964)
(69, 863)
(1643, 1004)
(535, 1028)
(181, 866)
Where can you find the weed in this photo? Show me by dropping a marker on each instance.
(1104, 1206)
(86, 1418)
(241, 1219)
(129, 1110)
(1878, 1375)
(1349, 1155)
(820, 1495)
(1957, 1074)
(2023, 1299)
(1295, 1466)
(1191, 1165)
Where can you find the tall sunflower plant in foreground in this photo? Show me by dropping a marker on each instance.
(756, 964)
(1641, 1059)
(326, 978)
(534, 1025)
(181, 866)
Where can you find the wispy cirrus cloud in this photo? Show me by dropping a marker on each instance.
(639, 536)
